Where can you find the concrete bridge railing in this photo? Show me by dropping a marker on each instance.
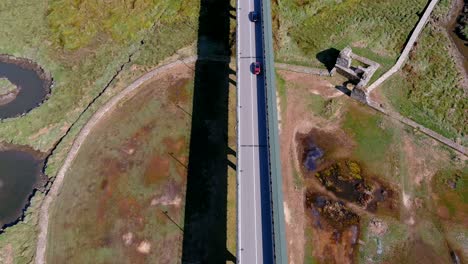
(276, 180)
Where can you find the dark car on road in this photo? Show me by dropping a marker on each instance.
(254, 16)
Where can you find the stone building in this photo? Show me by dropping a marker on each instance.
(359, 73)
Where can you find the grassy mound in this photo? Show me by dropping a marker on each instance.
(6, 86)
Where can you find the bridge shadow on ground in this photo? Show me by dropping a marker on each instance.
(206, 195)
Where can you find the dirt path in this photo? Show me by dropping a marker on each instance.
(293, 194)
(301, 69)
(40, 257)
(409, 45)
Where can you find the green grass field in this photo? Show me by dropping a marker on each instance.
(451, 185)
(367, 129)
(312, 32)
(305, 30)
(20, 239)
(308, 246)
(317, 104)
(83, 45)
(127, 185)
(428, 90)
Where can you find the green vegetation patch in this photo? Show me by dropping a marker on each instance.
(123, 198)
(83, 45)
(308, 245)
(464, 31)
(316, 103)
(451, 185)
(429, 89)
(366, 127)
(308, 31)
(6, 86)
(281, 87)
(431, 235)
(75, 24)
(390, 244)
(18, 242)
(325, 108)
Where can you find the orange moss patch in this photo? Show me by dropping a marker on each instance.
(422, 253)
(157, 170)
(129, 208)
(175, 146)
(105, 211)
(143, 133)
(178, 94)
(450, 207)
(443, 212)
(110, 171)
(181, 168)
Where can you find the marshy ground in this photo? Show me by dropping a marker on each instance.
(366, 183)
(406, 189)
(374, 192)
(88, 69)
(123, 198)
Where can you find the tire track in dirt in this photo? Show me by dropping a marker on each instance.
(79, 140)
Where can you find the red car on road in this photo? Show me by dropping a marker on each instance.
(256, 68)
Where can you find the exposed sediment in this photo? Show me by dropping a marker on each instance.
(9, 96)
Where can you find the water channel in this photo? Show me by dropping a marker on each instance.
(32, 82)
(20, 174)
(20, 167)
(462, 45)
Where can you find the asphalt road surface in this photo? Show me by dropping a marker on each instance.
(254, 208)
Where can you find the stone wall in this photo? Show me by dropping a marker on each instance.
(360, 75)
(347, 72)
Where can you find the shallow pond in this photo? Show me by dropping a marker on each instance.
(32, 82)
(20, 173)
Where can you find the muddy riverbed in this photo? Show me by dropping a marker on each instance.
(32, 82)
(20, 175)
(339, 191)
